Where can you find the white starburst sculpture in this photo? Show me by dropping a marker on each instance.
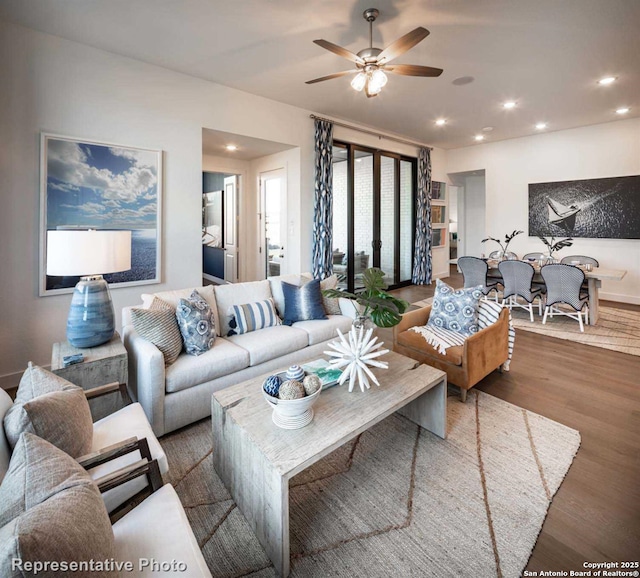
(355, 355)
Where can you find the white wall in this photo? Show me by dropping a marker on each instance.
(605, 150)
(51, 84)
(474, 216)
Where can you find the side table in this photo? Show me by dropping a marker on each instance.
(103, 364)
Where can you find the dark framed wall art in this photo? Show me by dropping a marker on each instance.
(606, 208)
(96, 185)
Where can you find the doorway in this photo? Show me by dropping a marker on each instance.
(373, 214)
(273, 219)
(470, 191)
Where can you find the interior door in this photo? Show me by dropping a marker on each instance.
(231, 229)
(274, 212)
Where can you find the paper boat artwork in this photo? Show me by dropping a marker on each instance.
(562, 215)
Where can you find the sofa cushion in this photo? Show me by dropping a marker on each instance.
(222, 359)
(455, 309)
(302, 303)
(158, 325)
(252, 317)
(320, 330)
(196, 323)
(171, 539)
(63, 418)
(415, 341)
(173, 298)
(128, 422)
(64, 517)
(238, 294)
(271, 342)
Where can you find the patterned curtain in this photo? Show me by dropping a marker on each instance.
(422, 250)
(323, 210)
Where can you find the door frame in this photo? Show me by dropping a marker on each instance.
(376, 230)
(279, 172)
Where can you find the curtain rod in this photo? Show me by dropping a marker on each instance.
(364, 130)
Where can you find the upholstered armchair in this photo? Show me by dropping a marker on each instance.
(465, 365)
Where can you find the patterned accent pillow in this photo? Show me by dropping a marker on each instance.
(252, 316)
(302, 303)
(159, 326)
(455, 309)
(196, 323)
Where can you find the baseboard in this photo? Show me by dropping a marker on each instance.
(633, 299)
(214, 279)
(441, 274)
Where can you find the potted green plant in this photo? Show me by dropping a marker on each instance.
(507, 239)
(553, 246)
(376, 304)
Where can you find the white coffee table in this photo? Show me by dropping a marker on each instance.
(255, 459)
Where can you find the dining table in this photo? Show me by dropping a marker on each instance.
(594, 279)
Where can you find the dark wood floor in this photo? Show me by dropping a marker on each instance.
(595, 516)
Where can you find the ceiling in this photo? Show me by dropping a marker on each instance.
(214, 142)
(546, 55)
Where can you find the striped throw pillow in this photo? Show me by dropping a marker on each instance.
(158, 325)
(252, 316)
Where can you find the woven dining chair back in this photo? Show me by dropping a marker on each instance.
(517, 277)
(581, 260)
(563, 285)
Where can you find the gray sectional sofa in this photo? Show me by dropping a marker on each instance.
(180, 394)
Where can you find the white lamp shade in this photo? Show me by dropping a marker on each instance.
(72, 253)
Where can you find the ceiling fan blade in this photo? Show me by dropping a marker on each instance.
(413, 70)
(331, 47)
(330, 76)
(403, 44)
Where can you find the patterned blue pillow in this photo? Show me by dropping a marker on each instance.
(196, 323)
(302, 303)
(252, 316)
(455, 309)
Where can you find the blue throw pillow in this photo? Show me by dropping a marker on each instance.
(196, 323)
(455, 309)
(302, 303)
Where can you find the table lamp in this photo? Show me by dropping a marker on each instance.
(89, 254)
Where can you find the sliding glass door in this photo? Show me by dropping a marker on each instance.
(373, 209)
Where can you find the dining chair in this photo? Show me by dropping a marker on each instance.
(579, 260)
(474, 272)
(517, 280)
(564, 285)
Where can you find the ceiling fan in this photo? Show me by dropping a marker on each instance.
(372, 63)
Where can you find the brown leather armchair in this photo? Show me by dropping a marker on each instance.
(465, 365)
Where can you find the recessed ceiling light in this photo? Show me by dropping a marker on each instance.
(509, 104)
(231, 147)
(607, 80)
(479, 137)
(623, 110)
(541, 125)
(441, 121)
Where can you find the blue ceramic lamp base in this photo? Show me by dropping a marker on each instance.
(91, 321)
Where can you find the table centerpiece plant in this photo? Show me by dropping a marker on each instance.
(507, 239)
(553, 246)
(375, 303)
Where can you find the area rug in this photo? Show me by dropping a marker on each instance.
(397, 500)
(617, 329)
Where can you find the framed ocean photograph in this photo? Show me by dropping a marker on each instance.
(103, 186)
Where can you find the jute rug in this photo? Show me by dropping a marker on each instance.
(397, 500)
(617, 329)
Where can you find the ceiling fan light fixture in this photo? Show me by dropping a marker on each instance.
(378, 80)
(358, 82)
(372, 89)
